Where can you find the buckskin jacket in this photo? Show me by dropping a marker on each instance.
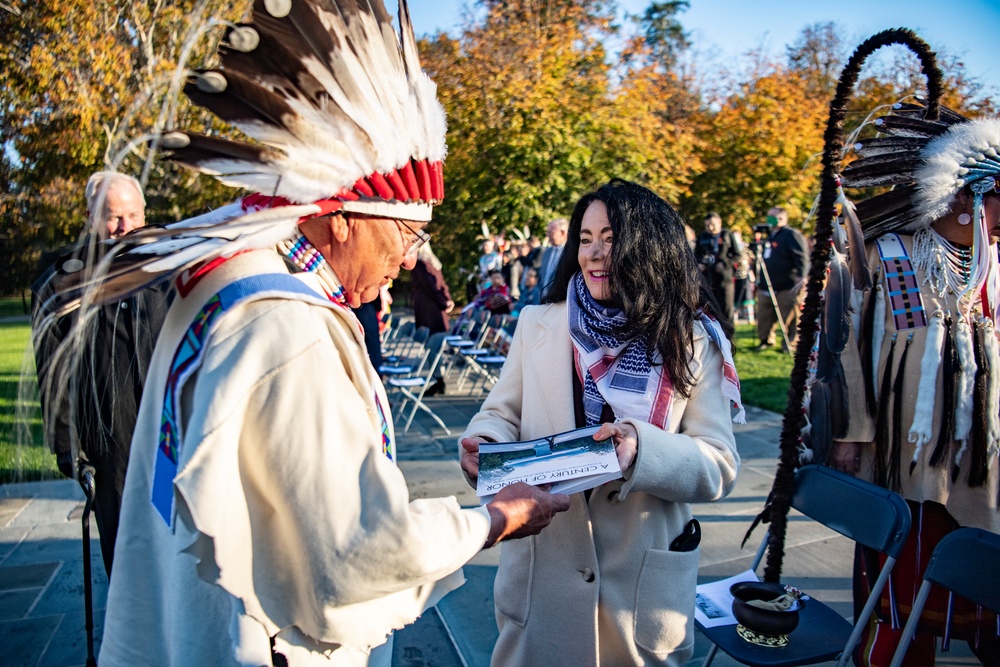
(291, 526)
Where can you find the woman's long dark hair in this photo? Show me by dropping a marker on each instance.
(653, 275)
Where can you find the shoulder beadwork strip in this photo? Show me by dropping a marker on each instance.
(901, 281)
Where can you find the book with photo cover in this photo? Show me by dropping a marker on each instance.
(713, 604)
(571, 462)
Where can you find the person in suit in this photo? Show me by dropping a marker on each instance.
(531, 294)
(785, 260)
(628, 339)
(556, 234)
(717, 252)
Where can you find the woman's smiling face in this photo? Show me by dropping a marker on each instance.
(594, 254)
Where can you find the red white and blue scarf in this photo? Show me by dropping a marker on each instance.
(617, 370)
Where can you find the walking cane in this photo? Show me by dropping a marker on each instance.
(87, 482)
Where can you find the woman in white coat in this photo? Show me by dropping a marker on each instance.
(629, 338)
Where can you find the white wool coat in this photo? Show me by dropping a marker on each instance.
(599, 585)
(290, 523)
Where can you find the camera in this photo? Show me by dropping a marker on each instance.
(707, 260)
(763, 229)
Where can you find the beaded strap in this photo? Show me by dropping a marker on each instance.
(306, 257)
(304, 254)
(187, 359)
(904, 294)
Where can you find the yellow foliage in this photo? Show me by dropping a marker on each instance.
(78, 79)
(761, 150)
(538, 116)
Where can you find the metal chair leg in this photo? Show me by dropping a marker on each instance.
(911, 624)
(711, 655)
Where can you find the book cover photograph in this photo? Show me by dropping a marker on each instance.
(570, 462)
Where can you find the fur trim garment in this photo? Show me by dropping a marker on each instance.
(967, 152)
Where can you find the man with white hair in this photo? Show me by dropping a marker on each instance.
(115, 204)
(91, 423)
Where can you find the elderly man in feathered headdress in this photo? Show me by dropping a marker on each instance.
(925, 419)
(265, 521)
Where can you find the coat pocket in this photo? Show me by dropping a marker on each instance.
(664, 600)
(512, 587)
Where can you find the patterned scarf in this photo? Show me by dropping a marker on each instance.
(617, 370)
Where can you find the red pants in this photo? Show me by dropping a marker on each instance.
(978, 626)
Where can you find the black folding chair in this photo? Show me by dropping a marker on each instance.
(961, 563)
(869, 515)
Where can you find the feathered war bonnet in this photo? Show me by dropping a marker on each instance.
(347, 119)
(344, 120)
(929, 161)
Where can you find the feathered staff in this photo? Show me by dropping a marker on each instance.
(776, 509)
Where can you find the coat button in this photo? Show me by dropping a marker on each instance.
(613, 497)
(588, 574)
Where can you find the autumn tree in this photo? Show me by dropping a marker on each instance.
(818, 55)
(663, 33)
(79, 80)
(822, 49)
(760, 149)
(658, 110)
(538, 114)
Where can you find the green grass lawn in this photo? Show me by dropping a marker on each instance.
(23, 454)
(13, 306)
(763, 376)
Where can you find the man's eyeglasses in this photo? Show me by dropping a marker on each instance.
(417, 237)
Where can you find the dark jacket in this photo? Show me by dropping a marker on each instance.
(111, 378)
(786, 256)
(429, 295)
(716, 255)
(368, 315)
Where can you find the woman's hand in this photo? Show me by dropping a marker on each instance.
(626, 440)
(846, 457)
(470, 457)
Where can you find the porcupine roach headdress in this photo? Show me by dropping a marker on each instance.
(344, 118)
(900, 155)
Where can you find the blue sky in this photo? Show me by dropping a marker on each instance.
(969, 29)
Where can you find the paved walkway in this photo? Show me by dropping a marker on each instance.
(41, 582)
